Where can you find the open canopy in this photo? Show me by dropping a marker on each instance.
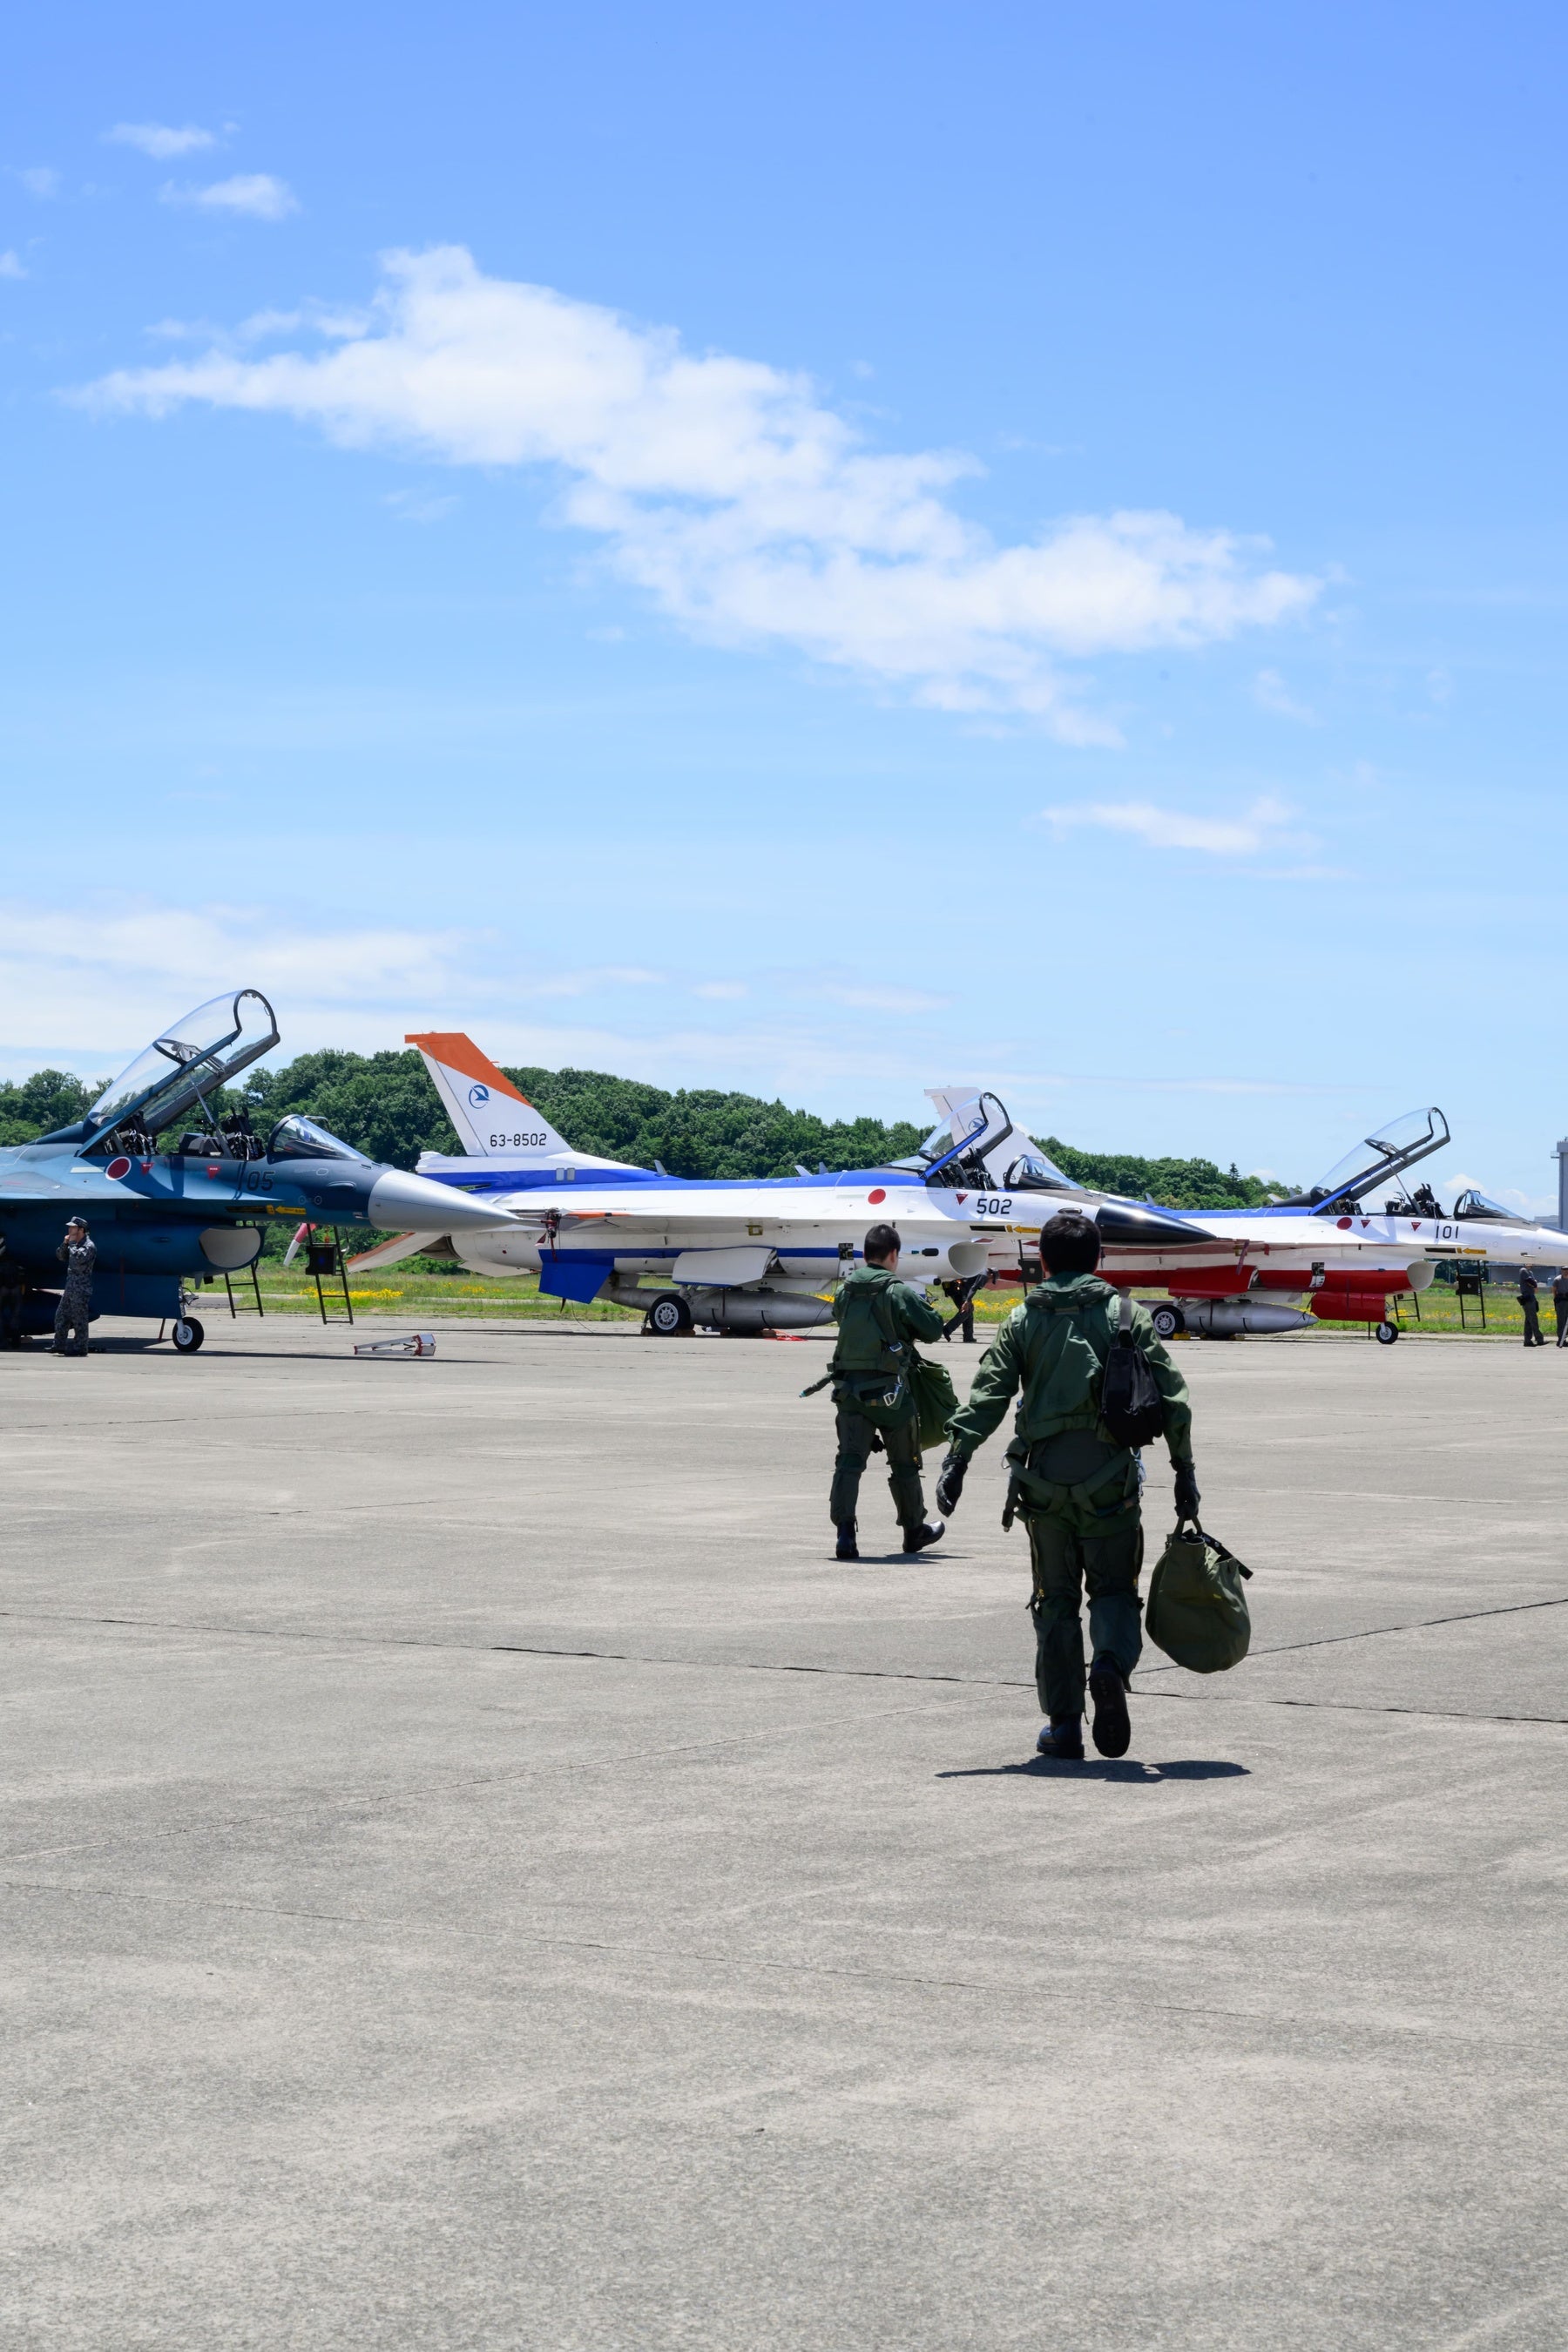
(967, 1147)
(1396, 1145)
(203, 1050)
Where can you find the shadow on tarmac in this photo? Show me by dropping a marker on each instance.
(1097, 1768)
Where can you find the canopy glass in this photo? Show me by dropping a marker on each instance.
(203, 1051)
(1032, 1171)
(298, 1138)
(1394, 1147)
(1477, 1205)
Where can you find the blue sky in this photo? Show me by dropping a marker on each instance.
(829, 552)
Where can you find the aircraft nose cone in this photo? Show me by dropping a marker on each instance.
(419, 1206)
(1124, 1227)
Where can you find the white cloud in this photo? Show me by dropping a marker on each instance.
(160, 140)
(11, 264)
(41, 180)
(1260, 828)
(751, 513)
(310, 319)
(63, 967)
(721, 992)
(84, 988)
(585, 984)
(257, 194)
(884, 1000)
(419, 506)
(262, 326)
(1271, 693)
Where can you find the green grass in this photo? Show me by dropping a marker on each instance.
(406, 1296)
(1437, 1311)
(1433, 1313)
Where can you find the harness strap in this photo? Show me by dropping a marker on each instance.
(1020, 1499)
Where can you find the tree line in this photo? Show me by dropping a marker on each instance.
(385, 1105)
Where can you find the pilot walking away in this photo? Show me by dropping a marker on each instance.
(1530, 1299)
(1077, 1487)
(79, 1255)
(1559, 1304)
(878, 1318)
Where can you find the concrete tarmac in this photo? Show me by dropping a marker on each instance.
(480, 1873)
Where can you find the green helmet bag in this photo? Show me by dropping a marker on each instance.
(1196, 1611)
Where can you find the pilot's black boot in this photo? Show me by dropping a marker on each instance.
(847, 1548)
(917, 1539)
(1112, 1725)
(1061, 1739)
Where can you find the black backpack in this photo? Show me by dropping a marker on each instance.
(1131, 1405)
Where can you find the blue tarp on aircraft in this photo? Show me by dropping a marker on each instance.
(578, 1274)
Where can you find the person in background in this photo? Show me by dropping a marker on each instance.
(963, 1298)
(879, 1319)
(1530, 1299)
(78, 1254)
(1559, 1304)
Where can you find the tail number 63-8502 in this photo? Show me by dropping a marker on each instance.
(999, 1206)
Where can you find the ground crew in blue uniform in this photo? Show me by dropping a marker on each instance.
(879, 1319)
(79, 1255)
(1077, 1488)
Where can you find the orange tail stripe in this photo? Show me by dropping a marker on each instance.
(460, 1054)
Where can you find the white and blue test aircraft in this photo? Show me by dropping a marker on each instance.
(752, 1255)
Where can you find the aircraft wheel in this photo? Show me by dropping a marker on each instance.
(668, 1318)
(1387, 1333)
(1167, 1321)
(187, 1335)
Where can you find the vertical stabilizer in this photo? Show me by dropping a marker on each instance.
(493, 1122)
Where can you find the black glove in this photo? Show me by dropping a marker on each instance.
(950, 1483)
(1187, 1496)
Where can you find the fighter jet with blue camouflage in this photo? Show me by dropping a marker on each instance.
(172, 1193)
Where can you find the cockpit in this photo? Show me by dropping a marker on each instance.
(1476, 1204)
(1033, 1172)
(298, 1138)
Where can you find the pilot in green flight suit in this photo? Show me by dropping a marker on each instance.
(879, 1320)
(1078, 1489)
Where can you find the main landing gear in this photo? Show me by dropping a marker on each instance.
(187, 1335)
(668, 1318)
(1387, 1333)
